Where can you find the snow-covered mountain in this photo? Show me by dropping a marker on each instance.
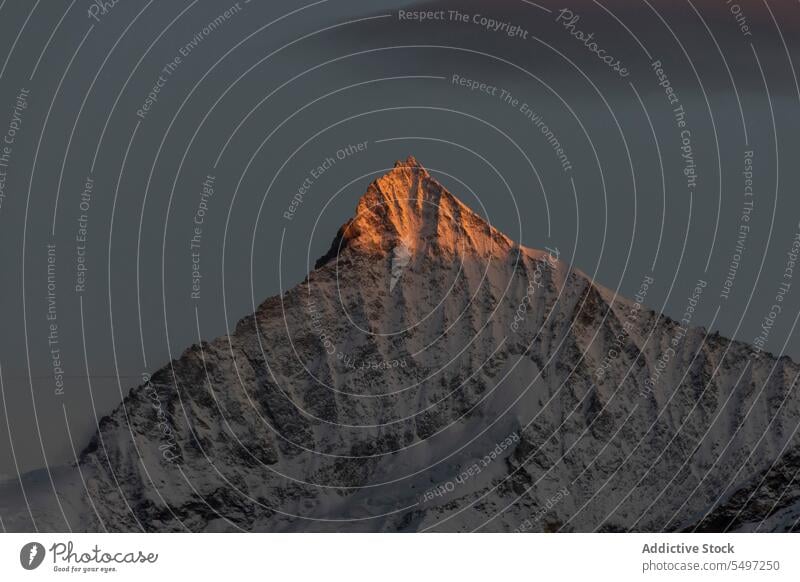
(432, 374)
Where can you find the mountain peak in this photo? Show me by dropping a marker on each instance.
(410, 162)
(408, 207)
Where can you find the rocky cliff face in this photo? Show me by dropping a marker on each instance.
(431, 374)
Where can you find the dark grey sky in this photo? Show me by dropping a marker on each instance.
(341, 73)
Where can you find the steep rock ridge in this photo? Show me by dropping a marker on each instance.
(432, 373)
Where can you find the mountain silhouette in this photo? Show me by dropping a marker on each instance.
(432, 374)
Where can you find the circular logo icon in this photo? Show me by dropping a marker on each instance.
(31, 555)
